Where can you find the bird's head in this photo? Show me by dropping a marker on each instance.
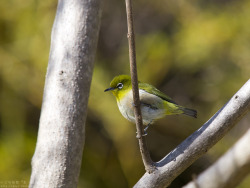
(119, 86)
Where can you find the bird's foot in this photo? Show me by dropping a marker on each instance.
(146, 128)
(145, 131)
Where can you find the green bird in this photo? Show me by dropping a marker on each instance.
(154, 103)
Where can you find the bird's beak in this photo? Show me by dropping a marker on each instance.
(109, 89)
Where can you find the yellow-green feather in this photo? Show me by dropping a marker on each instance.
(126, 81)
(120, 94)
(172, 108)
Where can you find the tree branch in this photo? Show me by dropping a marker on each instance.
(229, 170)
(199, 142)
(148, 163)
(57, 158)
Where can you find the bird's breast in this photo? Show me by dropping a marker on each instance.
(125, 105)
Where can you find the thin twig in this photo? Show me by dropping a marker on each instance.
(148, 163)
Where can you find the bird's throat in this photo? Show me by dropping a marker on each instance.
(121, 94)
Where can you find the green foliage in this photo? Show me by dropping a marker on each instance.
(24, 46)
(197, 52)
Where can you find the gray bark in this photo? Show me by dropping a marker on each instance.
(57, 158)
(229, 170)
(199, 142)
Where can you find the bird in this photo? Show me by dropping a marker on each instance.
(154, 103)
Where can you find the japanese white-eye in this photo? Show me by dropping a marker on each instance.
(154, 103)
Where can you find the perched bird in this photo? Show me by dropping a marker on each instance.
(154, 103)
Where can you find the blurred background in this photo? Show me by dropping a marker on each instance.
(196, 52)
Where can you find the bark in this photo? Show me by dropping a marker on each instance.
(229, 170)
(148, 163)
(199, 142)
(58, 154)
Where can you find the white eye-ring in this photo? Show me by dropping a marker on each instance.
(119, 86)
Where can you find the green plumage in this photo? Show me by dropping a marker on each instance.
(151, 89)
(154, 103)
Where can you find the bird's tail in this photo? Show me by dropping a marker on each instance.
(188, 111)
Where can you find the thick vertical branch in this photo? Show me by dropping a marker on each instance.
(58, 154)
(149, 165)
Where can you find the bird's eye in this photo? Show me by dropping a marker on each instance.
(119, 86)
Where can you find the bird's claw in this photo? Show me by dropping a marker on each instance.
(145, 134)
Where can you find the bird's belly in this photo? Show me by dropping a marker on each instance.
(149, 113)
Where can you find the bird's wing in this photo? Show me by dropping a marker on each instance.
(152, 90)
